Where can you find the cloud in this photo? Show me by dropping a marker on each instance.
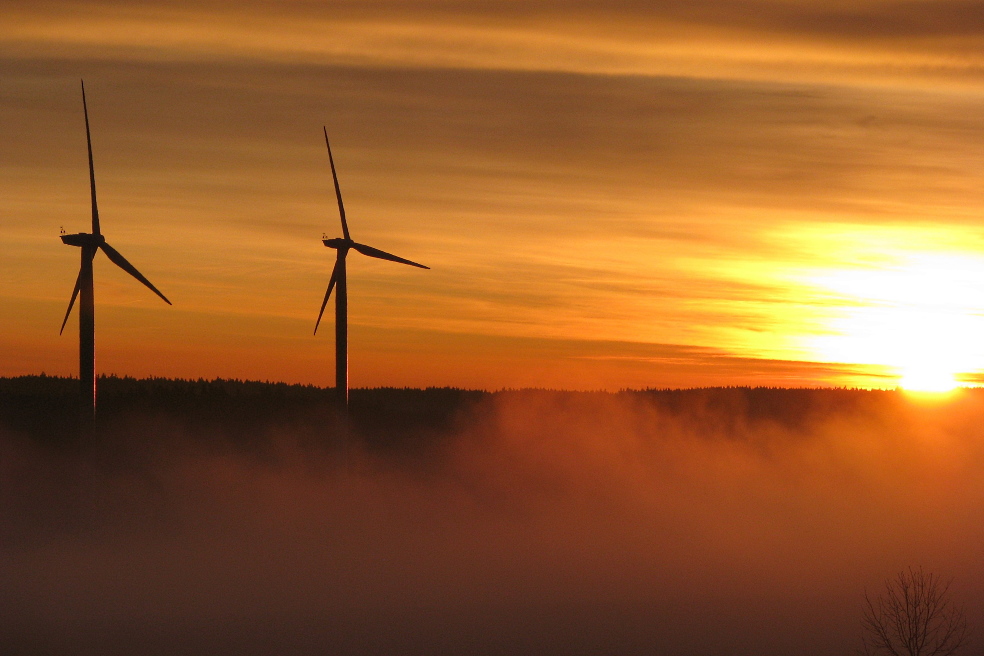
(918, 42)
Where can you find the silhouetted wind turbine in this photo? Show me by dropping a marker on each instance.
(342, 247)
(90, 243)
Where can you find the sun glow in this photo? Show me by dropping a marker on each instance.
(928, 380)
(921, 315)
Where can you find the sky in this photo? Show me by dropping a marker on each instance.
(609, 194)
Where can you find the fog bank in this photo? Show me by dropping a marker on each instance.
(542, 522)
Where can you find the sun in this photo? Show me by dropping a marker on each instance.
(928, 379)
(921, 317)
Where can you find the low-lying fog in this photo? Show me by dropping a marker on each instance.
(545, 523)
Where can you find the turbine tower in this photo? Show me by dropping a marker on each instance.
(90, 243)
(342, 246)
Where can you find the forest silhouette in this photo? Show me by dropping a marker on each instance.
(42, 408)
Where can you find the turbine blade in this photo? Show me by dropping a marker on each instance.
(338, 191)
(92, 171)
(121, 262)
(383, 255)
(71, 303)
(324, 303)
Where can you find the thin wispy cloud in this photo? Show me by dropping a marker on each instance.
(917, 42)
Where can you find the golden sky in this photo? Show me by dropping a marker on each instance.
(610, 194)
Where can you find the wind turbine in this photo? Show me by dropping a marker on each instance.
(342, 246)
(90, 243)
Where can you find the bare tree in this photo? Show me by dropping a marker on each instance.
(915, 616)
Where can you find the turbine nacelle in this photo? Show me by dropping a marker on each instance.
(339, 243)
(83, 239)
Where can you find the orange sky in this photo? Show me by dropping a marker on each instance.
(610, 194)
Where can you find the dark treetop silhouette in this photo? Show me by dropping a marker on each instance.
(90, 243)
(342, 247)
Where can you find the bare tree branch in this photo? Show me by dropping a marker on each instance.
(914, 616)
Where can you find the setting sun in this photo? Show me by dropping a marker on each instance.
(919, 314)
(918, 379)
